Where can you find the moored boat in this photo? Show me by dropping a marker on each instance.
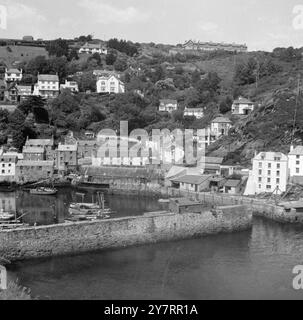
(5, 216)
(44, 191)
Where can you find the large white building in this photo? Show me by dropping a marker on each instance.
(242, 106)
(110, 83)
(295, 162)
(269, 173)
(47, 86)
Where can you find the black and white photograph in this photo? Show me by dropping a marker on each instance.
(151, 153)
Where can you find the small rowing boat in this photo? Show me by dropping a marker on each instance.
(44, 191)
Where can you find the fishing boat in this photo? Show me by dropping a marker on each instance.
(5, 216)
(6, 187)
(44, 191)
(90, 211)
(163, 200)
(13, 225)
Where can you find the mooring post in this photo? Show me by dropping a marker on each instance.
(3, 278)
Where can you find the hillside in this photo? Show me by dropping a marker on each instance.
(204, 80)
(11, 54)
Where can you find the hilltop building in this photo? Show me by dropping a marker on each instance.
(91, 48)
(13, 75)
(212, 46)
(220, 126)
(71, 85)
(168, 105)
(24, 92)
(109, 82)
(242, 106)
(198, 113)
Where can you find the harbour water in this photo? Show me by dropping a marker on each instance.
(45, 210)
(256, 264)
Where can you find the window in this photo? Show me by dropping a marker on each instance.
(297, 170)
(268, 187)
(268, 172)
(260, 164)
(269, 165)
(260, 179)
(260, 172)
(297, 163)
(298, 157)
(278, 166)
(278, 181)
(268, 180)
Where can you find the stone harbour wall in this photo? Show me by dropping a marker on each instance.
(75, 238)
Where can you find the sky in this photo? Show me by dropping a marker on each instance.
(261, 24)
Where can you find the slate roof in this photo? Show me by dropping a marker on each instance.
(221, 120)
(297, 151)
(189, 179)
(242, 100)
(232, 183)
(48, 77)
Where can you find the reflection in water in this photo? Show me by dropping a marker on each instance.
(250, 265)
(45, 210)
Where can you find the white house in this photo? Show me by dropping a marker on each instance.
(91, 48)
(242, 106)
(8, 166)
(13, 75)
(220, 126)
(168, 105)
(269, 173)
(71, 85)
(194, 112)
(24, 91)
(110, 84)
(47, 86)
(295, 162)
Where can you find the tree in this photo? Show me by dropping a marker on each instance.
(110, 58)
(87, 82)
(38, 65)
(59, 66)
(96, 56)
(73, 55)
(85, 38)
(120, 65)
(58, 48)
(123, 46)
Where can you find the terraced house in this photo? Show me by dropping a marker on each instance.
(31, 171)
(8, 167)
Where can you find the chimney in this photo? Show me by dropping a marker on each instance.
(292, 147)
